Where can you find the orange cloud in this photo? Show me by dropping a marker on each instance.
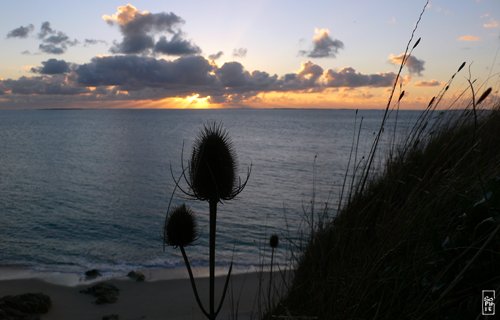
(349, 98)
(468, 37)
(492, 24)
(429, 83)
(124, 15)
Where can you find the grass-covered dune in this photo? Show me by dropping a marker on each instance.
(419, 241)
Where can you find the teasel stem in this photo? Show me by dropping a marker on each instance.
(270, 280)
(273, 243)
(225, 289)
(193, 284)
(213, 219)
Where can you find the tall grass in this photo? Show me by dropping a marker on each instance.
(420, 242)
(418, 239)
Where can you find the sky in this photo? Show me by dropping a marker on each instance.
(258, 54)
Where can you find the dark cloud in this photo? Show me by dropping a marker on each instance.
(52, 41)
(414, 65)
(236, 81)
(232, 74)
(262, 80)
(21, 32)
(240, 52)
(52, 66)
(216, 56)
(45, 30)
(132, 77)
(140, 28)
(348, 77)
(134, 72)
(91, 42)
(54, 85)
(51, 48)
(134, 43)
(177, 46)
(323, 45)
(305, 79)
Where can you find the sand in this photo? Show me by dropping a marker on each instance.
(151, 300)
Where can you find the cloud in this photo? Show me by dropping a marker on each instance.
(52, 41)
(305, 79)
(176, 46)
(413, 64)
(232, 74)
(21, 32)
(43, 85)
(52, 66)
(135, 72)
(45, 30)
(323, 45)
(348, 77)
(240, 53)
(429, 83)
(215, 56)
(468, 38)
(91, 42)
(140, 28)
(134, 77)
(492, 24)
(239, 84)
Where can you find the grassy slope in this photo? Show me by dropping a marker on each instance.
(415, 244)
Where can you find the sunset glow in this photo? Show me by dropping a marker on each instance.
(153, 55)
(195, 102)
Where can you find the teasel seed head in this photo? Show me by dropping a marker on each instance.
(212, 170)
(274, 241)
(180, 228)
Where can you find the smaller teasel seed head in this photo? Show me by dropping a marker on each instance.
(274, 241)
(180, 228)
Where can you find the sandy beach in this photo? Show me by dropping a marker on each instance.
(151, 300)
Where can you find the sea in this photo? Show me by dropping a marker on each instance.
(90, 189)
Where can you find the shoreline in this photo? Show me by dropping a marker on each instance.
(72, 279)
(151, 299)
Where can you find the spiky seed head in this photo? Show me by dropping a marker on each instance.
(461, 66)
(484, 95)
(274, 241)
(416, 43)
(180, 229)
(212, 171)
(401, 95)
(430, 102)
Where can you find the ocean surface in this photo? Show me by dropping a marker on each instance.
(84, 189)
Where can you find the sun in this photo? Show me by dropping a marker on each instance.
(195, 102)
(192, 101)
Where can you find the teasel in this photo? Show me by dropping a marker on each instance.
(180, 230)
(213, 166)
(273, 243)
(180, 227)
(212, 176)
